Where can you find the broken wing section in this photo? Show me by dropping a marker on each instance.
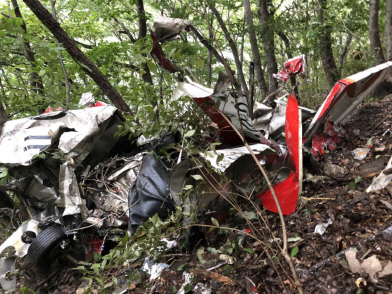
(346, 95)
(289, 190)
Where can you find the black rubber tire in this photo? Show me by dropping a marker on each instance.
(45, 242)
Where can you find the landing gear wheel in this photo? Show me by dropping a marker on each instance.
(45, 242)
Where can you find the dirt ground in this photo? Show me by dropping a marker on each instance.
(353, 255)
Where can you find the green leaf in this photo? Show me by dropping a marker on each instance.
(183, 267)
(152, 67)
(187, 288)
(294, 239)
(220, 157)
(42, 72)
(197, 177)
(193, 60)
(249, 250)
(80, 268)
(4, 173)
(200, 63)
(215, 222)
(294, 251)
(190, 133)
(352, 185)
(200, 253)
(250, 215)
(175, 289)
(3, 181)
(188, 187)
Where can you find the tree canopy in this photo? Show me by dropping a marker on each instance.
(338, 38)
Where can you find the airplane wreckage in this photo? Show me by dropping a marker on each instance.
(75, 190)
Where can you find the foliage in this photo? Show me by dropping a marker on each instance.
(99, 25)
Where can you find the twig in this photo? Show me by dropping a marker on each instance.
(366, 254)
(284, 250)
(217, 266)
(318, 198)
(79, 262)
(374, 126)
(212, 275)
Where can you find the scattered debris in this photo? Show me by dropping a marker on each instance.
(360, 153)
(321, 228)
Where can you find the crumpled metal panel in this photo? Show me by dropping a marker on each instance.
(70, 197)
(224, 101)
(22, 139)
(293, 66)
(278, 119)
(113, 198)
(230, 155)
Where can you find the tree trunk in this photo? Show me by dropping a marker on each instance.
(388, 30)
(233, 48)
(87, 66)
(344, 53)
(3, 114)
(66, 80)
(267, 38)
(255, 52)
(35, 80)
(210, 35)
(142, 19)
(374, 33)
(326, 53)
(286, 42)
(207, 44)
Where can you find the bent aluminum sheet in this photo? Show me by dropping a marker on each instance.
(70, 197)
(23, 139)
(346, 95)
(230, 155)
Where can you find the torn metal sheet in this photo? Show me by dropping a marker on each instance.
(230, 155)
(346, 95)
(168, 29)
(70, 197)
(328, 139)
(289, 190)
(152, 268)
(381, 181)
(250, 286)
(225, 101)
(272, 121)
(25, 138)
(293, 66)
(113, 196)
(321, 228)
(7, 265)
